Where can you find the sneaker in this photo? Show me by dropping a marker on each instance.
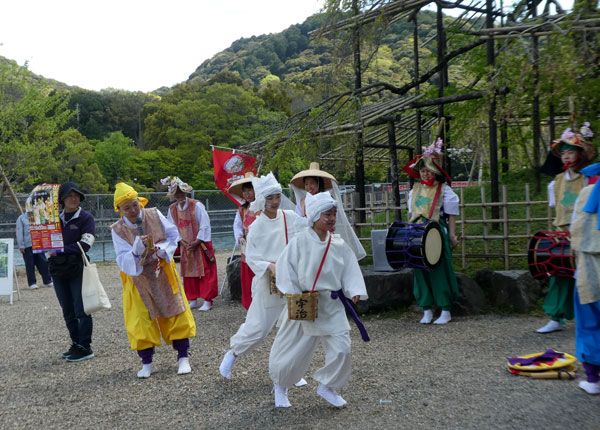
(81, 354)
(49, 285)
(590, 387)
(550, 327)
(227, 364)
(33, 287)
(281, 397)
(206, 306)
(331, 396)
(71, 350)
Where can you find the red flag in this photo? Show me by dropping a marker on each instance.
(230, 166)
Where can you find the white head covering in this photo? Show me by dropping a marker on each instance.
(317, 204)
(264, 186)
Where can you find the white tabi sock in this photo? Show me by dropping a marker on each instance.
(145, 371)
(227, 364)
(331, 396)
(427, 317)
(184, 366)
(444, 318)
(281, 396)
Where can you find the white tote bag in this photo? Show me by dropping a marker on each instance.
(92, 292)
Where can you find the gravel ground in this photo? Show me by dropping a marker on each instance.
(408, 376)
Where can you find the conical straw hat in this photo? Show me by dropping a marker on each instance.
(236, 186)
(313, 170)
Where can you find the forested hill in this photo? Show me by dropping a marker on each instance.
(296, 55)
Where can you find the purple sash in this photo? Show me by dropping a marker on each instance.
(339, 294)
(549, 357)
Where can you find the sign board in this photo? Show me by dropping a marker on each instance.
(44, 222)
(6, 267)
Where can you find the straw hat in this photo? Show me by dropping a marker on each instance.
(236, 186)
(313, 170)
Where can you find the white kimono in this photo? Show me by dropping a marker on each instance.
(265, 243)
(296, 340)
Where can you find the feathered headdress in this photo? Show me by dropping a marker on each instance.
(431, 159)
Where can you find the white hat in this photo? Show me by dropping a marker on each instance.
(317, 204)
(264, 186)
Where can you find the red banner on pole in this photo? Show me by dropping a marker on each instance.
(230, 166)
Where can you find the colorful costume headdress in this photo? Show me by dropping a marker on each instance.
(573, 140)
(431, 159)
(124, 193)
(172, 183)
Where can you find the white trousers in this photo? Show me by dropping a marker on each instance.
(257, 326)
(292, 353)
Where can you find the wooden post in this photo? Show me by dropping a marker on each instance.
(535, 114)
(484, 219)
(359, 157)
(504, 145)
(493, 134)
(527, 211)
(419, 142)
(395, 173)
(463, 245)
(505, 226)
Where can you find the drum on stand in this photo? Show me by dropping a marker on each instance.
(549, 254)
(419, 246)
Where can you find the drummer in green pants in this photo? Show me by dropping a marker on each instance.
(432, 199)
(575, 153)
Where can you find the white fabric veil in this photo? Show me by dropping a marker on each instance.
(342, 225)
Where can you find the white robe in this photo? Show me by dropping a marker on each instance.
(265, 243)
(296, 341)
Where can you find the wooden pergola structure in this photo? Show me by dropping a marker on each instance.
(403, 111)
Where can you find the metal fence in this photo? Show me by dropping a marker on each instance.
(483, 237)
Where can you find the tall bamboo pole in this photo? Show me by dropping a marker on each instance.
(10, 190)
(535, 114)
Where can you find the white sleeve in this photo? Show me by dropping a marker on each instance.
(551, 199)
(170, 215)
(450, 201)
(238, 227)
(127, 261)
(204, 232)
(409, 202)
(353, 283)
(167, 248)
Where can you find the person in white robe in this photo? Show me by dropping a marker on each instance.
(316, 259)
(267, 237)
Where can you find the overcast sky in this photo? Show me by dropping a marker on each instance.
(135, 44)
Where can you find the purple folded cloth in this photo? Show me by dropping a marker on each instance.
(348, 305)
(550, 356)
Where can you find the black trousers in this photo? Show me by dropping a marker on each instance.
(36, 260)
(79, 324)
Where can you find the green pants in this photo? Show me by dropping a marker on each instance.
(438, 286)
(558, 304)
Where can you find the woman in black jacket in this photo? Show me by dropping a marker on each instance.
(67, 268)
